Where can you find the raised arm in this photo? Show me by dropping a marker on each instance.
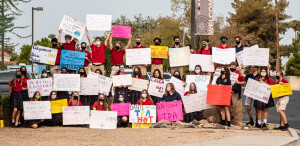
(242, 70)
(128, 43)
(59, 37)
(107, 37)
(110, 42)
(88, 36)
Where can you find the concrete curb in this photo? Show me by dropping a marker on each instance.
(295, 134)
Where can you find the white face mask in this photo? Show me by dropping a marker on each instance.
(53, 96)
(197, 71)
(98, 43)
(144, 95)
(168, 88)
(263, 74)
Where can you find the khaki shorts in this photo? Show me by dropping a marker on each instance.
(248, 101)
(282, 102)
(142, 67)
(179, 68)
(114, 70)
(157, 66)
(93, 68)
(55, 69)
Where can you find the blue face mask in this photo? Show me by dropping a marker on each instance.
(44, 75)
(136, 72)
(224, 41)
(122, 70)
(121, 99)
(192, 88)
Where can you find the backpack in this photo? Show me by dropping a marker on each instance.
(209, 50)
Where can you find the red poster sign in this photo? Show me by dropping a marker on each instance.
(218, 94)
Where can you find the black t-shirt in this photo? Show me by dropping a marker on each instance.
(223, 81)
(251, 76)
(173, 97)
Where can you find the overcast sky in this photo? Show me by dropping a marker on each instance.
(47, 21)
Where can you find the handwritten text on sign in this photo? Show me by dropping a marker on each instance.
(157, 87)
(88, 86)
(201, 82)
(44, 55)
(44, 86)
(138, 56)
(141, 125)
(76, 115)
(142, 114)
(256, 56)
(205, 61)
(139, 84)
(159, 52)
(178, 85)
(218, 94)
(122, 80)
(57, 105)
(121, 31)
(223, 56)
(170, 111)
(281, 90)
(258, 91)
(98, 22)
(179, 56)
(195, 102)
(35, 110)
(104, 84)
(121, 108)
(66, 82)
(72, 27)
(103, 119)
(72, 60)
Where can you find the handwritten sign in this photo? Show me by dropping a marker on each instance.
(139, 84)
(76, 115)
(233, 77)
(142, 114)
(104, 84)
(239, 57)
(44, 86)
(256, 56)
(72, 60)
(157, 87)
(121, 31)
(258, 91)
(138, 56)
(88, 86)
(103, 119)
(205, 61)
(92, 75)
(178, 85)
(195, 102)
(57, 105)
(72, 27)
(182, 53)
(223, 56)
(121, 108)
(279, 90)
(159, 51)
(141, 125)
(201, 82)
(36, 110)
(66, 82)
(216, 75)
(98, 22)
(122, 80)
(44, 55)
(218, 94)
(170, 111)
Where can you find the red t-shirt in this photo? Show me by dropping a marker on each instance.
(221, 47)
(88, 55)
(100, 107)
(204, 52)
(240, 78)
(98, 53)
(157, 61)
(70, 47)
(142, 77)
(77, 103)
(147, 102)
(136, 47)
(194, 52)
(283, 81)
(269, 81)
(117, 56)
(18, 87)
(24, 82)
(57, 61)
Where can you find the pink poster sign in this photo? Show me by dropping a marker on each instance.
(170, 111)
(121, 108)
(121, 31)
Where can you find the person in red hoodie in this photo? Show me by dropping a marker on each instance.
(68, 45)
(87, 58)
(143, 67)
(145, 99)
(156, 62)
(55, 68)
(224, 41)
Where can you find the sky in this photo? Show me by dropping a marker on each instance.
(47, 21)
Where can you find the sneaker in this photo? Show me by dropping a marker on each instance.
(223, 122)
(278, 128)
(257, 125)
(263, 125)
(285, 127)
(250, 123)
(228, 124)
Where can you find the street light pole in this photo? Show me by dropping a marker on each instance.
(32, 30)
(277, 39)
(193, 24)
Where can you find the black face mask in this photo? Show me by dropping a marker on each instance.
(138, 43)
(177, 43)
(23, 72)
(157, 44)
(54, 45)
(83, 48)
(222, 72)
(117, 48)
(75, 97)
(81, 73)
(277, 77)
(238, 42)
(18, 76)
(232, 69)
(177, 76)
(100, 99)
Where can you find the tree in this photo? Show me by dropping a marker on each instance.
(293, 64)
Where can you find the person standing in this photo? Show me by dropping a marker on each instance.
(143, 67)
(177, 45)
(224, 41)
(68, 45)
(239, 47)
(205, 50)
(157, 63)
(55, 68)
(87, 58)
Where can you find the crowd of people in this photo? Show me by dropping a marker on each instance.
(94, 62)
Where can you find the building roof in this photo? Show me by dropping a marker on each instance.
(5, 54)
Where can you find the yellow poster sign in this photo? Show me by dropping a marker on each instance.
(159, 51)
(141, 125)
(57, 105)
(281, 90)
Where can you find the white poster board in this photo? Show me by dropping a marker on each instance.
(119, 80)
(256, 56)
(239, 57)
(233, 77)
(92, 75)
(195, 102)
(88, 86)
(142, 113)
(138, 56)
(216, 75)
(139, 84)
(179, 56)
(223, 56)
(72, 27)
(201, 82)
(103, 119)
(76, 115)
(258, 91)
(178, 85)
(44, 86)
(105, 84)
(36, 110)
(66, 82)
(43, 55)
(98, 22)
(205, 61)
(157, 87)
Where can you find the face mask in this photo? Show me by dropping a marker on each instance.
(144, 95)
(197, 71)
(224, 41)
(157, 44)
(204, 44)
(68, 42)
(53, 96)
(81, 73)
(18, 76)
(37, 97)
(277, 77)
(117, 48)
(177, 76)
(238, 42)
(232, 69)
(177, 43)
(192, 88)
(54, 45)
(98, 43)
(136, 72)
(222, 72)
(156, 75)
(83, 48)
(121, 99)
(101, 99)
(168, 88)
(44, 75)
(23, 72)
(121, 69)
(75, 97)
(263, 74)
(138, 43)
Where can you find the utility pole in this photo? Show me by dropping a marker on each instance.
(277, 39)
(2, 36)
(193, 24)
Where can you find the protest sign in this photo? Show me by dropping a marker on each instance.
(223, 56)
(88, 86)
(76, 115)
(142, 114)
(178, 85)
(66, 82)
(98, 22)
(104, 84)
(239, 57)
(121, 31)
(103, 119)
(195, 102)
(179, 56)
(122, 80)
(256, 56)
(139, 84)
(159, 52)
(258, 91)
(216, 75)
(218, 94)
(44, 86)
(141, 125)
(72, 27)
(201, 82)
(170, 111)
(138, 56)
(43, 55)
(205, 61)
(279, 90)
(121, 108)
(72, 60)
(57, 105)
(92, 75)
(157, 87)
(233, 77)
(36, 110)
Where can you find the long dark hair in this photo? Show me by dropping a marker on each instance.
(172, 88)
(25, 75)
(227, 74)
(195, 91)
(200, 69)
(267, 74)
(148, 96)
(49, 97)
(160, 76)
(118, 73)
(83, 71)
(139, 69)
(104, 102)
(178, 73)
(99, 71)
(15, 78)
(35, 95)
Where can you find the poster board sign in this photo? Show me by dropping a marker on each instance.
(104, 84)
(122, 80)
(223, 56)
(44, 86)
(72, 60)
(43, 55)
(36, 110)
(103, 119)
(98, 22)
(239, 57)
(256, 56)
(216, 75)
(170, 111)
(201, 82)
(138, 56)
(139, 84)
(72, 27)
(57, 105)
(258, 91)
(76, 115)
(205, 61)
(159, 52)
(233, 77)
(195, 102)
(157, 87)
(178, 85)
(88, 86)
(121, 108)
(279, 90)
(142, 114)
(179, 56)
(92, 75)
(218, 95)
(66, 82)
(141, 125)
(120, 31)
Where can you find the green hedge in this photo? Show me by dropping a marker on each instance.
(6, 110)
